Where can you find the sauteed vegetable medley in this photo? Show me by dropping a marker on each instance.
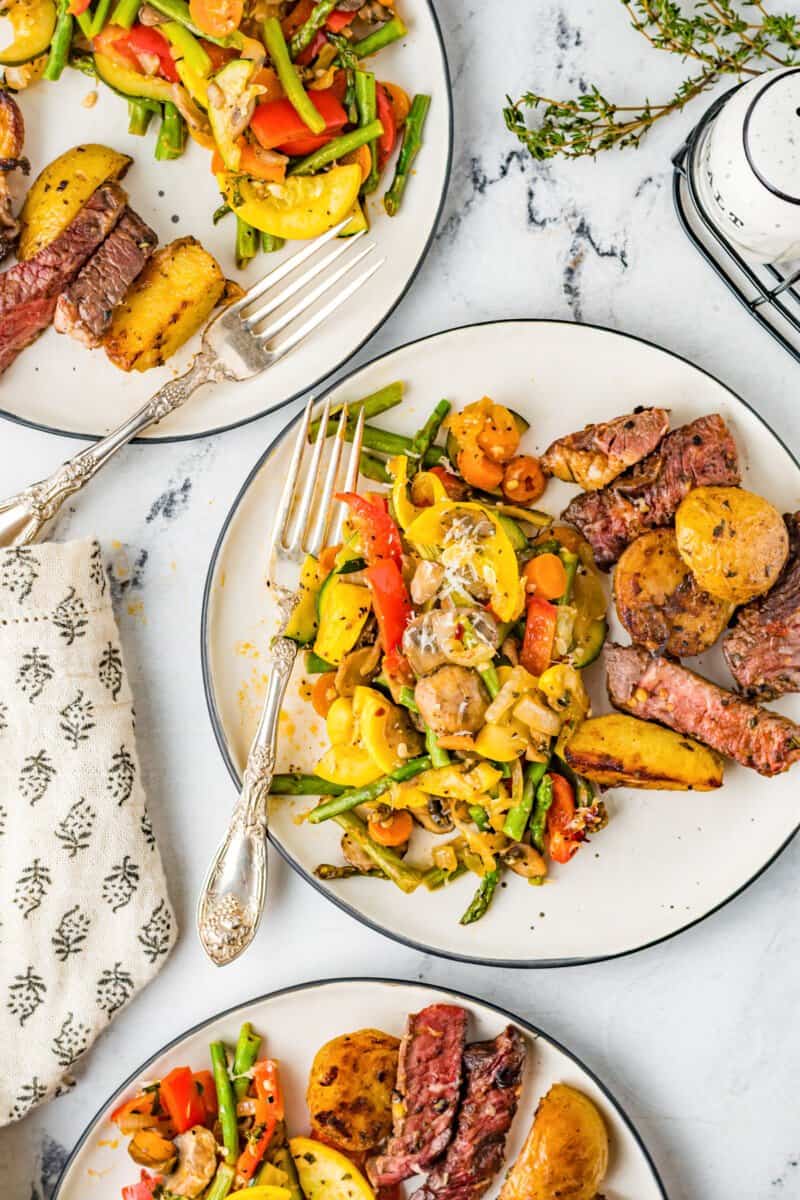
(282, 93)
(448, 633)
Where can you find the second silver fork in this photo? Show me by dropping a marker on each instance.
(308, 517)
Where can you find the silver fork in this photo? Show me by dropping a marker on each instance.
(232, 897)
(235, 346)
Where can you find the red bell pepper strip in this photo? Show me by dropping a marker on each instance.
(269, 1111)
(562, 841)
(267, 1080)
(276, 125)
(339, 20)
(540, 632)
(380, 537)
(386, 141)
(391, 604)
(146, 40)
(204, 1082)
(144, 1189)
(113, 43)
(182, 1099)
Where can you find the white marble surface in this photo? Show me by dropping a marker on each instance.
(696, 1037)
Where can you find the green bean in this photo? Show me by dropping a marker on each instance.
(388, 33)
(544, 798)
(367, 106)
(296, 94)
(373, 468)
(99, 17)
(171, 139)
(373, 404)
(479, 815)
(245, 1055)
(438, 755)
(270, 243)
(304, 785)
(226, 1102)
(337, 148)
(60, 44)
(222, 1183)
(406, 877)
(140, 113)
(517, 818)
(424, 438)
(126, 13)
(304, 36)
(246, 242)
(490, 679)
(354, 796)
(407, 699)
(482, 898)
(412, 140)
(188, 47)
(84, 21)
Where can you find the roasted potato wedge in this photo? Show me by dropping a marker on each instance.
(622, 751)
(660, 602)
(169, 302)
(734, 542)
(566, 1152)
(350, 1089)
(60, 191)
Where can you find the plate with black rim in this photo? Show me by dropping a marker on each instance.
(296, 1021)
(59, 386)
(666, 859)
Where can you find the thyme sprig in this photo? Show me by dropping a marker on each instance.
(716, 35)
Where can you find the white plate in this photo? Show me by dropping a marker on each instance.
(667, 858)
(61, 387)
(295, 1022)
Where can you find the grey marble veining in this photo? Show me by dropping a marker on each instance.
(697, 1037)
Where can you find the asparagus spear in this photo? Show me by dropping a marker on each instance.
(304, 36)
(373, 404)
(172, 134)
(99, 17)
(337, 148)
(406, 877)
(222, 1183)
(287, 74)
(516, 821)
(328, 871)
(270, 243)
(246, 242)
(220, 212)
(303, 785)
(412, 140)
(388, 33)
(482, 898)
(139, 115)
(437, 877)
(373, 468)
(126, 13)
(60, 44)
(424, 438)
(226, 1102)
(354, 796)
(245, 1055)
(438, 756)
(188, 47)
(544, 798)
(367, 106)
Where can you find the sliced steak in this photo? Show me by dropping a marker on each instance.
(29, 290)
(657, 689)
(85, 308)
(763, 648)
(702, 453)
(493, 1081)
(426, 1095)
(597, 454)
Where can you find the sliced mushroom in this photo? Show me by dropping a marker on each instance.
(452, 700)
(464, 636)
(12, 136)
(426, 581)
(435, 817)
(357, 668)
(149, 1148)
(524, 860)
(197, 1163)
(356, 856)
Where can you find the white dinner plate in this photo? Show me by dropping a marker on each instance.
(61, 387)
(296, 1021)
(667, 859)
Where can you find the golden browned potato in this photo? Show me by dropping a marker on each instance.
(566, 1152)
(660, 602)
(621, 751)
(60, 191)
(169, 301)
(350, 1089)
(734, 542)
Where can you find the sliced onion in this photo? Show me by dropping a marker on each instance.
(518, 682)
(517, 783)
(538, 717)
(246, 1107)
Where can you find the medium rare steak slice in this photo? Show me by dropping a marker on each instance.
(657, 689)
(85, 308)
(493, 1081)
(28, 290)
(426, 1095)
(763, 648)
(702, 453)
(597, 454)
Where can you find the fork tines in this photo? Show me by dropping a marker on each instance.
(309, 286)
(308, 517)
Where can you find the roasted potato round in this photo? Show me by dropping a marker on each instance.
(350, 1089)
(565, 1153)
(734, 542)
(660, 602)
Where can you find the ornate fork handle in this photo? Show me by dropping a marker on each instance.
(232, 897)
(23, 517)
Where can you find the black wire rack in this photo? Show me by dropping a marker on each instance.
(767, 293)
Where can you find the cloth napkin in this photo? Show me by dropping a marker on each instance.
(85, 920)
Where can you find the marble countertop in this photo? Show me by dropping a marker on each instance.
(696, 1037)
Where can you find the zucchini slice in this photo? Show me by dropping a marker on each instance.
(33, 22)
(128, 82)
